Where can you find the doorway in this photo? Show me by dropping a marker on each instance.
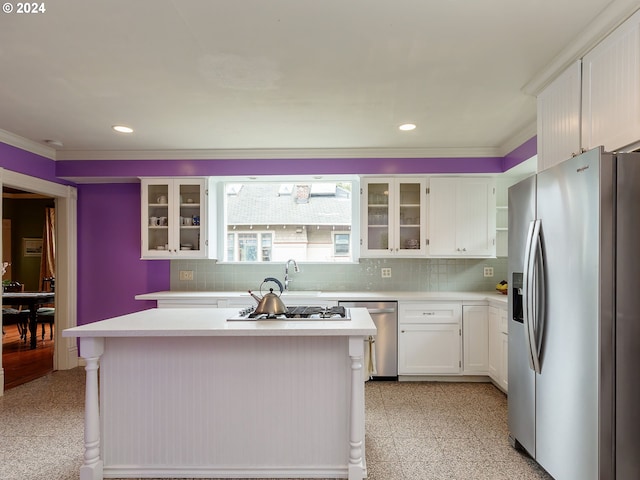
(25, 226)
(65, 351)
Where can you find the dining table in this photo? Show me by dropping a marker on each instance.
(31, 300)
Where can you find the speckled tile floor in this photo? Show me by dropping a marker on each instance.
(425, 431)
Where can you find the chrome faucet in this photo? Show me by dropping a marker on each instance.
(286, 272)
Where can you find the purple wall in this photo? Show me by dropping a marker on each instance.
(524, 152)
(21, 161)
(323, 166)
(110, 272)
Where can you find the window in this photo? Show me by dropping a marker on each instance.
(297, 218)
(341, 242)
(243, 247)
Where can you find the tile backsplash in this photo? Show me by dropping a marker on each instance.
(406, 275)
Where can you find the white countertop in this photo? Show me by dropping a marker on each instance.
(180, 322)
(493, 297)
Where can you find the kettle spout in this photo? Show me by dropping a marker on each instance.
(257, 298)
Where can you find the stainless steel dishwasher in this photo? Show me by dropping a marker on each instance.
(385, 316)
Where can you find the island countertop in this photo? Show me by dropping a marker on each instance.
(190, 322)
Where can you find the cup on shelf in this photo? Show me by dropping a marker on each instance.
(162, 199)
(154, 221)
(187, 221)
(163, 221)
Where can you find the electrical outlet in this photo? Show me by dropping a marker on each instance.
(386, 272)
(186, 274)
(488, 271)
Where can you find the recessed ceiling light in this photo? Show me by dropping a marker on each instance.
(407, 126)
(122, 129)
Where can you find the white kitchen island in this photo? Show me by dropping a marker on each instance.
(183, 393)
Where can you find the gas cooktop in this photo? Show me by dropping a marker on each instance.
(295, 313)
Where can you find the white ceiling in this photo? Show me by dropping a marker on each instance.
(246, 76)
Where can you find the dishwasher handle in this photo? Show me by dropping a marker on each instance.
(381, 310)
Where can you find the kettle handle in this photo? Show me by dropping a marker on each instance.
(275, 280)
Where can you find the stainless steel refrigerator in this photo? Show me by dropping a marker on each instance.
(574, 317)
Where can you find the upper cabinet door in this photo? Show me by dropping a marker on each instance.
(410, 212)
(377, 212)
(157, 210)
(191, 219)
(611, 90)
(393, 217)
(462, 218)
(559, 118)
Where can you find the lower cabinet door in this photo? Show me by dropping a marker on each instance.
(495, 345)
(429, 349)
(475, 340)
(504, 373)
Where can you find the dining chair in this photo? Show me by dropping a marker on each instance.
(15, 314)
(47, 313)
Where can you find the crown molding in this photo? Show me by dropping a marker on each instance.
(519, 138)
(607, 21)
(27, 145)
(269, 154)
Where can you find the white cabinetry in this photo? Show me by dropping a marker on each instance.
(475, 338)
(462, 218)
(393, 217)
(429, 339)
(176, 217)
(559, 118)
(611, 89)
(498, 346)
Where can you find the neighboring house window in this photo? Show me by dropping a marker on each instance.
(341, 243)
(249, 247)
(301, 219)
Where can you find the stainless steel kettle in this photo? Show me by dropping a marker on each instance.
(270, 303)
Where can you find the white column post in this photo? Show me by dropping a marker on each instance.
(91, 349)
(356, 425)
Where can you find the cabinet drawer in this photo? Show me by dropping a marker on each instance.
(429, 312)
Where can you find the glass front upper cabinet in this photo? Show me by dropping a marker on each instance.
(174, 218)
(393, 219)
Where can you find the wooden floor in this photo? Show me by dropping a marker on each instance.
(21, 365)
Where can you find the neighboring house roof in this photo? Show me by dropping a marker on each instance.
(261, 204)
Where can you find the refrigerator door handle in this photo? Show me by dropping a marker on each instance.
(527, 297)
(537, 298)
